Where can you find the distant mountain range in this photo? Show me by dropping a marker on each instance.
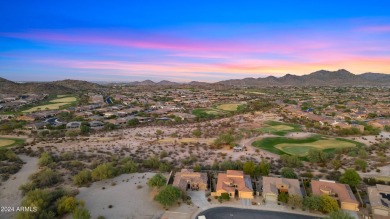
(55, 87)
(341, 77)
(319, 78)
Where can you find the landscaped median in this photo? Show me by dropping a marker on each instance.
(301, 146)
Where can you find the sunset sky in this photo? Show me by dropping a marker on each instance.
(190, 40)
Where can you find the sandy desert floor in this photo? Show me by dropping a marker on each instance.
(130, 197)
(142, 142)
(10, 195)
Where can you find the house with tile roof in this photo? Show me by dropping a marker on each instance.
(188, 179)
(235, 183)
(272, 186)
(341, 192)
(379, 197)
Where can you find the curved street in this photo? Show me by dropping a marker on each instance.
(237, 213)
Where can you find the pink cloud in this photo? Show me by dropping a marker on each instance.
(183, 46)
(375, 29)
(246, 68)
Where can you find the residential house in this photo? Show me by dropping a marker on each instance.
(25, 118)
(185, 116)
(96, 117)
(110, 114)
(188, 179)
(235, 183)
(379, 196)
(379, 123)
(73, 125)
(96, 124)
(36, 126)
(272, 186)
(341, 192)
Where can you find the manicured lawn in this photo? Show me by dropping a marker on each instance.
(300, 147)
(53, 104)
(64, 100)
(383, 178)
(213, 112)
(303, 149)
(8, 142)
(207, 112)
(46, 107)
(279, 128)
(228, 107)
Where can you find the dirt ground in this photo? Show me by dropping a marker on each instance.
(10, 195)
(129, 196)
(143, 142)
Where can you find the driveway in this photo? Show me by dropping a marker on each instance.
(246, 202)
(199, 199)
(237, 213)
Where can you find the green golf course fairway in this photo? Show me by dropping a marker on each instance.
(301, 146)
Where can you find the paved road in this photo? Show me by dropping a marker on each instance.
(237, 213)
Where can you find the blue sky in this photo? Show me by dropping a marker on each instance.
(190, 40)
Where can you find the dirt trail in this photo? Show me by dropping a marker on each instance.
(10, 195)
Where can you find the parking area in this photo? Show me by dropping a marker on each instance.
(199, 199)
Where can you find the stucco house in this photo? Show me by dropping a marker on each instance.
(235, 183)
(379, 196)
(73, 125)
(272, 186)
(188, 179)
(341, 192)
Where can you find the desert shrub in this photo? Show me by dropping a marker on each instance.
(165, 167)
(225, 196)
(129, 167)
(43, 179)
(290, 161)
(44, 200)
(67, 204)
(224, 139)
(288, 173)
(103, 171)
(83, 178)
(313, 202)
(157, 180)
(152, 162)
(328, 204)
(283, 197)
(45, 159)
(81, 213)
(168, 195)
(67, 156)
